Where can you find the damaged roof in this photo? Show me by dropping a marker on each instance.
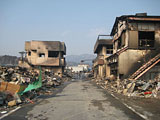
(102, 42)
(50, 45)
(137, 17)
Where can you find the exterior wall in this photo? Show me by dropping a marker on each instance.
(42, 45)
(135, 27)
(95, 70)
(39, 47)
(108, 71)
(103, 48)
(130, 60)
(104, 51)
(133, 57)
(100, 71)
(100, 64)
(38, 55)
(131, 34)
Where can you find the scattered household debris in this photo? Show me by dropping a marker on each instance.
(20, 85)
(3, 112)
(136, 88)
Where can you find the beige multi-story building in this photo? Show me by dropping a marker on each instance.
(136, 47)
(47, 54)
(103, 48)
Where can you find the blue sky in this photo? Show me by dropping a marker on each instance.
(75, 22)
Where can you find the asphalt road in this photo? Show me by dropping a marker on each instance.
(79, 100)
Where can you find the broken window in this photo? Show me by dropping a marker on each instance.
(53, 53)
(29, 53)
(34, 50)
(121, 76)
(146, 39)
(41, 55)
(119, 42)
(109, 49)
(123, 39)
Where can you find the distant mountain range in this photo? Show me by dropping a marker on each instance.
(76, 59)
(72, 60)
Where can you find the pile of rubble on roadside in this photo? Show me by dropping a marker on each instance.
(17, 75)
(14, 80)
(136, 88)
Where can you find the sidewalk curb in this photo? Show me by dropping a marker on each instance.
(10, 112)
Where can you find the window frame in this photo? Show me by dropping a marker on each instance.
(146, 43)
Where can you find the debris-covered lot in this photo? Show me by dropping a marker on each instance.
(19, 86)
(135, 88)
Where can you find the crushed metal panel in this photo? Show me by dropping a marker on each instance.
(3, 86)
(11, 88)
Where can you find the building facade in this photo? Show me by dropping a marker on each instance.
(79, 68)
(103, 48)
(136, 47)
(47, 54)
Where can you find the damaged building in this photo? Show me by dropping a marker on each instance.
(47, 54)
(136, 47)
(103, 48)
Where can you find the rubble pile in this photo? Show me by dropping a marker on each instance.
(17, 75)
(14, 80)
(136, 88)
(51, 80)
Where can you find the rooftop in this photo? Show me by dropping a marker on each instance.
(102, 42)
(136, 17)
